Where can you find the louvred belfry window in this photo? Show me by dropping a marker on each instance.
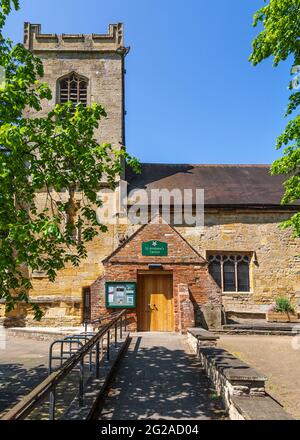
(73, 88)
(230, 272)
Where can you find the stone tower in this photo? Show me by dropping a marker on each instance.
(98, 59)
(85, 68)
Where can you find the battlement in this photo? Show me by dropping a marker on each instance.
(35, 41)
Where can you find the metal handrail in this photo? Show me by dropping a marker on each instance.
(38, 394)
(99, 320)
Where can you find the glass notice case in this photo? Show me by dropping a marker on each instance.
(120, 295)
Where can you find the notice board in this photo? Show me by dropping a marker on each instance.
(120, 295)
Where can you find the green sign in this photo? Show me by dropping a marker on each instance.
(154, 248)
(120, 295)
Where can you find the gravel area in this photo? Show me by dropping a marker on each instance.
(278, 357)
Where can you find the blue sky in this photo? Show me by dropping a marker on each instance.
(191, 94)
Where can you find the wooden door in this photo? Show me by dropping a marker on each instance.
(155, 310)
(86, 304)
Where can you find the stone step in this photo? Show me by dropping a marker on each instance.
(202, 334)
(261, 328)
(259, 408)
(269, 326)
(256, 332)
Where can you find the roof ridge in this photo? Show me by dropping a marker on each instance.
(206, 164)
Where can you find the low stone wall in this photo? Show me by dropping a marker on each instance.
(241, 387)
(231, 377)
(198, 337)
(42, 334)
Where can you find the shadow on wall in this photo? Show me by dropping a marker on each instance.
(16, 321)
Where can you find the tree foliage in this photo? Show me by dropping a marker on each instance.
(56, 154)
(280, 39)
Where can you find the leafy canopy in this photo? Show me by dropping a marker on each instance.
(56, 154)
(280, 39)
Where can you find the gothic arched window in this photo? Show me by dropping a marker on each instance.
(215, 269)
(73, 88)
(230, 272)
(229, 276)
(243, 276)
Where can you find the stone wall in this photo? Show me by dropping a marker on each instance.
(61, 300)
(241, 387)
(275, 268)
(275, 262)
(275, 265)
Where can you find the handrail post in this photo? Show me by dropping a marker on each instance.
(101, 352)
(81, 382)
(125, 320)
(48, 387)
(50, 359)
(97, 360)
(108, 343)
(91, 360)
(61, 353)
(52, 399)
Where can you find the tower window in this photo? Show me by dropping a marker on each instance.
(230, 272)
(73, 88)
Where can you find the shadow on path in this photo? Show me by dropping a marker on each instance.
(159, 379)
(16, 381)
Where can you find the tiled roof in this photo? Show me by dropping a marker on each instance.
(223, 184)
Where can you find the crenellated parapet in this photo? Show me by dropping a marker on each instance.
(36, 41)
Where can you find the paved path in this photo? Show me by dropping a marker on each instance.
(278, 357)
(160, 379)
(23, 365)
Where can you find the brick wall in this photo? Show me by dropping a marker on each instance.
(186, 265)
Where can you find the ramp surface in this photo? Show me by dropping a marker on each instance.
(159, 378)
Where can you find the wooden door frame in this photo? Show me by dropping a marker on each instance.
(154, 272)
(142, 273)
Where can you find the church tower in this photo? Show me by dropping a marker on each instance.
(87, 69)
